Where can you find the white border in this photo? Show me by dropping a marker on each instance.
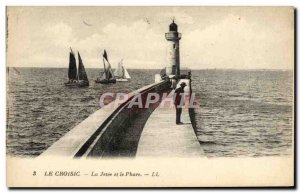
(4, 3)
(153, 3)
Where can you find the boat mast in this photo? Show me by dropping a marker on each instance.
(110, 70)
(104, 56)
(104, 67)
(72, 72)
(78, 68)
(82, 73)
(122, 68)
(123, 72)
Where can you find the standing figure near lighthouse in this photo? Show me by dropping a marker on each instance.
(173, 61)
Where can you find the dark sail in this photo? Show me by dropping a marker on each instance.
(81, 71)
(107, 68)
(107, 76)
(72, 67)
(105, 55)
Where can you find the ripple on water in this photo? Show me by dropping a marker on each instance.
(244, 113)
(240, 114)
(41, 109)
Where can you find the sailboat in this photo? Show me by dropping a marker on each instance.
(107, 75)
(82, 77)
(121, 73)
(76, 78)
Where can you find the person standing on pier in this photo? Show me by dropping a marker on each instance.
(178, 102)
(190, 82)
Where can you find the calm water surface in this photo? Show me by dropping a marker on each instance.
(240, 113)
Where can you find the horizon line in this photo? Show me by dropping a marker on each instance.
(162, 68)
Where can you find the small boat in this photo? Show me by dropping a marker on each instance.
(76, 79)
(82, 77)
(108, 75)
(121, 73)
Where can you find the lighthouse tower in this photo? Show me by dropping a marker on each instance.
(173, 62)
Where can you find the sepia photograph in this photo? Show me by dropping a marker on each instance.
(189, 96)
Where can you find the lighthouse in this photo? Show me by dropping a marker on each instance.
(173, 61)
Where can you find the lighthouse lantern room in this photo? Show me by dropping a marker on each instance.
(173, 60)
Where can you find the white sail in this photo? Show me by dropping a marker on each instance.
(119, 70)
(116, 73)
(126, 74)
(104, 75)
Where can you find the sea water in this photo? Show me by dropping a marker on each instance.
(239, 112)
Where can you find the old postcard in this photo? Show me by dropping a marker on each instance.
(150, 96)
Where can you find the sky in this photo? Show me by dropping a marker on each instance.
(212, 37)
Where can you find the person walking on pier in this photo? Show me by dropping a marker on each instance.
(178, 101)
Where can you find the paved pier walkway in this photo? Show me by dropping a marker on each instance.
(72, 142)
(161, 137)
